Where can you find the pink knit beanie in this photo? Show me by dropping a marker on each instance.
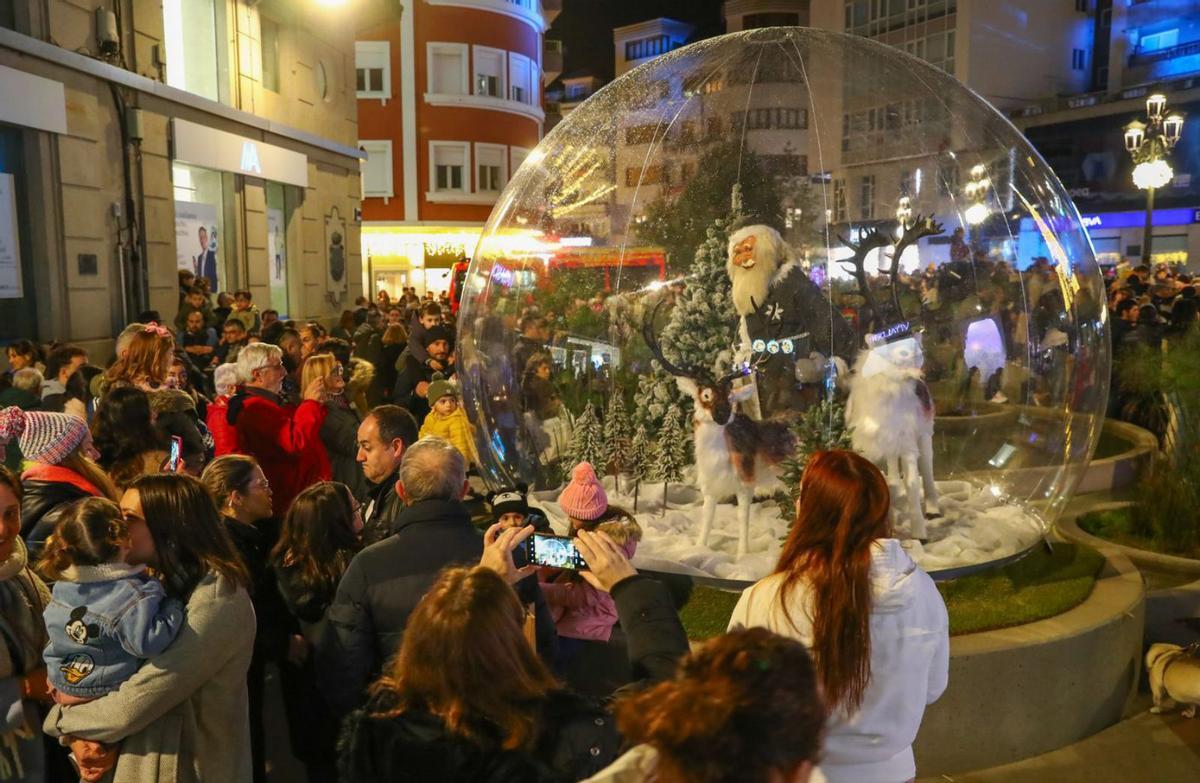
(584, 498)
(43, 437)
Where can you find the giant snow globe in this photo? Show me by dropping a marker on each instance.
(774, 242)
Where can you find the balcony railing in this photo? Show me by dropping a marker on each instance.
(1158, 55)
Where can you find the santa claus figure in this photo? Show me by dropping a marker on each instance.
(783, 313)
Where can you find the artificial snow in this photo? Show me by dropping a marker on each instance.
(977, 527)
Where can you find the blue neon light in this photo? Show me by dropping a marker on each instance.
(1182, 216)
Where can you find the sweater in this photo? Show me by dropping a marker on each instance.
(284, 439)
(455, 428)
(910, 662)
(183, 716)
(580, 610)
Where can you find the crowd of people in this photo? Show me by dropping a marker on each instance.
(234, 497)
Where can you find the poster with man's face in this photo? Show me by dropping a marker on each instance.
(196, 244)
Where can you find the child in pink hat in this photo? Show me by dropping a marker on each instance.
(582, 612)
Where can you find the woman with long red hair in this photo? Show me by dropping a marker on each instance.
(875, 623)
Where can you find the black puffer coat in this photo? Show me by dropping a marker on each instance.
(48, 491)
(577, 736)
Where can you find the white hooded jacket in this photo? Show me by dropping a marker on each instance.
(910, 660)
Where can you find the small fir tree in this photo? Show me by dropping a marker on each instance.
(820, 428)
(587, 440)
(617, 433)
(637, 461)
(671, 452)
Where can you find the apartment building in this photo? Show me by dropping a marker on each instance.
(449, 106)
(137, 140)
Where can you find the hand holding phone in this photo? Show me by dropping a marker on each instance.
(174, 457)
(555, 552)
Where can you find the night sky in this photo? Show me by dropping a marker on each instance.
(585, 27)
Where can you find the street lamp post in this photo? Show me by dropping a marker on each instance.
(1150, 144)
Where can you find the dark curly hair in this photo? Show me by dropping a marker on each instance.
(123, 431)
(741, 707)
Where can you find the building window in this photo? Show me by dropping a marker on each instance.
(650, 175)
(948, 180)
(640, 134)
(269, 47)
(491, 173)
(1078, 60)
(1082, 6)
(576, 91)
(1163, 40)
(839, 201)
(489, 71)
(448, 165)
(649, 47)
(866, 197)
(377, 169)
(906, 183)
(520, 72)
(516, 156)
(372, 68)
(190, 38)
(447, 63)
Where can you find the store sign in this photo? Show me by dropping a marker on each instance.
(1162, 217)
(32, 102)
(216, 149)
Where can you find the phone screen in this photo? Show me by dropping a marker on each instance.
(176, 450)
(556, 552)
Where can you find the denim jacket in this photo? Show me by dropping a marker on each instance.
(102, 621)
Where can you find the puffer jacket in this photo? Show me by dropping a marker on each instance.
(580, 610)
(577, 736)
(224, 434)
(49, 490)
(454, 428)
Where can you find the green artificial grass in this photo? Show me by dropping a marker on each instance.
(1117, 525)
(1040, 585)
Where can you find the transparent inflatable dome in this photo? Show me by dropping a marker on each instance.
(835, 241)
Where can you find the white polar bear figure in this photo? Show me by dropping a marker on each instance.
(891, 412)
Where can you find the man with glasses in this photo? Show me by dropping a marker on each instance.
(285, 439)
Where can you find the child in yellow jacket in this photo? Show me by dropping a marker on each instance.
(448, 420)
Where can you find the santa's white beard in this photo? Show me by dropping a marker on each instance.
(750, 286)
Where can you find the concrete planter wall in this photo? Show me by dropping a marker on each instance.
(1018, 692)
(1164, 607)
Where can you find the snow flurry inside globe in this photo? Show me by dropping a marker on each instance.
(774, 242)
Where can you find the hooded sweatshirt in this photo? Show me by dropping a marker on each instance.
(910, 660)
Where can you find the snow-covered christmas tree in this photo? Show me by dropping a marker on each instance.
(617, 432)
(637, 461)
(702, 327)
(587, 440)
(672, 451)
(820, 428)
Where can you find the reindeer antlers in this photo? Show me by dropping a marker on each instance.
(921, 226)
(869, 240)
(652, 343)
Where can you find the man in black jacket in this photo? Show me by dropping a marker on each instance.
(382, 439)
(412, 382)
(384, 582)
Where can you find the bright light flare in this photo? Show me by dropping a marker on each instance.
(1153, 174)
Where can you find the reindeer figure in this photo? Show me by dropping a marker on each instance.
(735, 455)
(869, 240)
(891, 412)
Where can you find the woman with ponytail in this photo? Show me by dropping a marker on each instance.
(744, 707)
(59, 468)
(874, 622)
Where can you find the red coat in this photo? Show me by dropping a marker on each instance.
(285, 440)
(224, 434)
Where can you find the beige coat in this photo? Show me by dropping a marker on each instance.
(183, 717)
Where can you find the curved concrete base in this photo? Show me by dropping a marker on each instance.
(1018, 692)
(1068, 527)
